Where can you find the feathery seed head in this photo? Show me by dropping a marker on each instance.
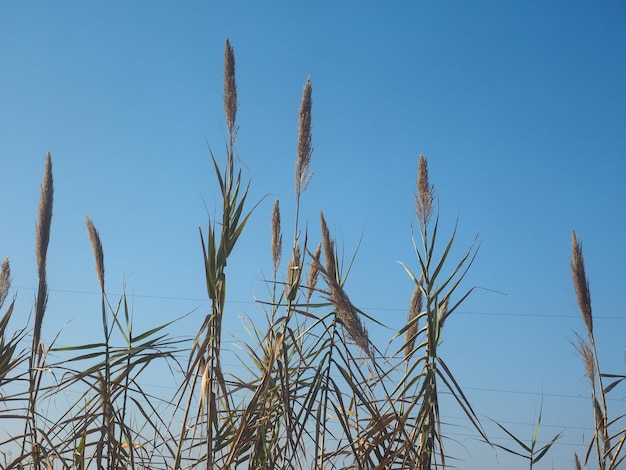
(600, 421)
(41, 247)
(586, 351)
(5, 280)
(96, 245)
(347, 314)
(294, 271)
(443, 312)
(329, 249)
(230, 88)
(277, 237)
(425, 193)
(45, 217)
(581, 283)
(305, 151)
(345, 311)
(414, 311)
(313, 272)
(576, 462)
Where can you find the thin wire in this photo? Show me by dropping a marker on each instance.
(382, 309)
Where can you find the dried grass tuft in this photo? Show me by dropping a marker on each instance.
(305, 150)
(277, 237)
(230, 88)
(581, 283)
(425, 193)
(5, 280)
(96, 245)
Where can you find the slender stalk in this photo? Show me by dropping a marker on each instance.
(37, 349)
(107, 430)
(590, 355)
(214, 407)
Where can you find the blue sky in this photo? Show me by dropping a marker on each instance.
(520, 108)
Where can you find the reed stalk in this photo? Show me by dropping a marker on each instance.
(608, 446)
(36, 359)
(318, 394)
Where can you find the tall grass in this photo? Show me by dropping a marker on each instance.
(607, 442)
(318, 393)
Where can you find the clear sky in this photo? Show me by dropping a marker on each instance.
(520, 108)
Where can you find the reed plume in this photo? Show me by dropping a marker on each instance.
(96, 245)
(42, 238)
(5, 280)
(41, 247)
(601, 424)
(329, 250)
(294, 272)
(589, 353)
(415, 309)
(230, 88)
(305, 150)
(277, 237)
(581, 283)
(586, 352)
(314, 272)
(576, 462)
(425, 193)
(443, 312)
(345, 311)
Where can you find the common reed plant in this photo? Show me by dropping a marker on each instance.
(114, 423)
(101, 427)
(208, 428)
(37, 352)
(607, 442)
(316, 391)
(320, 394)
(434, 299)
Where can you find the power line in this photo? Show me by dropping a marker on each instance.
(367, 309)
(526, 392)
